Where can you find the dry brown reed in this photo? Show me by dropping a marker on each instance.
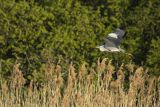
(17, 80)
(86, 87)
(82, 71)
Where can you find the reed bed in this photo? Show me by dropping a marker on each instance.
(100, 86)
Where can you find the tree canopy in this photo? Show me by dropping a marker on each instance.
(36, 31)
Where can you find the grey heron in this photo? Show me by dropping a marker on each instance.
(112, 42)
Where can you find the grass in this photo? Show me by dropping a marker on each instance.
(101, 86)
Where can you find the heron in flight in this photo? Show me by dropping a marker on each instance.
(112, 42)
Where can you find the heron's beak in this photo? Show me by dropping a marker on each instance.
(97, 47)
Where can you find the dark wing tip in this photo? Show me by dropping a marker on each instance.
(120, 32)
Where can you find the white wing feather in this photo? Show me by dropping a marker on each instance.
(113, 35)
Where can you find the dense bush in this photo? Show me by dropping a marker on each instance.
(34, 32)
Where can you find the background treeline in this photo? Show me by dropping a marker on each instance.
(33, 32)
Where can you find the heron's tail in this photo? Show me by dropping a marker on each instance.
(122, 50)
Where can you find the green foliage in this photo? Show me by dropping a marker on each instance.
(143, 28)
(153, 58)
(64, 31)
(154, 51)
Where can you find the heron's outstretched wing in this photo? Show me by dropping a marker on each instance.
(116, 37)
(109, 43)
(120, 34)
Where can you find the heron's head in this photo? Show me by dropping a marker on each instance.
(98, 47)
(101, 48)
